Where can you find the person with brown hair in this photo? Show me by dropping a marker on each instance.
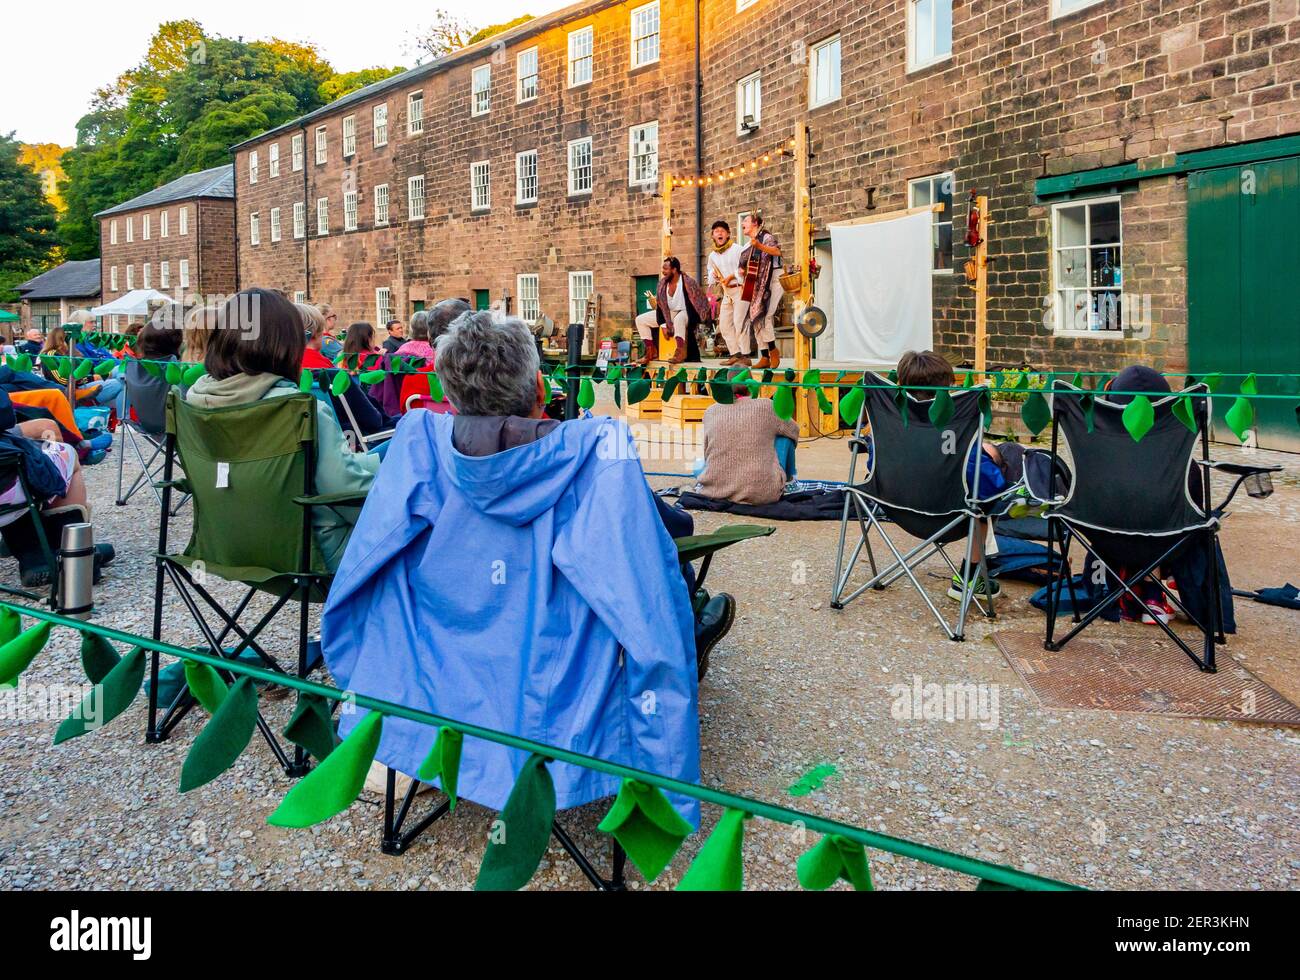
(200, 321)
(360, 340)
(256, 352)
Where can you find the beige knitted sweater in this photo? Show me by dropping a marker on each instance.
(740, 451)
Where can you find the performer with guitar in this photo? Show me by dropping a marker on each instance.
(761, 264)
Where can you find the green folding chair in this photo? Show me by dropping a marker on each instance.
(241, 465)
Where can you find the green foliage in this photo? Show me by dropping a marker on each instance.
(350, 81)
(27, 221)
(496, 29)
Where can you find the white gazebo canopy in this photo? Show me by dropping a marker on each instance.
(137, 302)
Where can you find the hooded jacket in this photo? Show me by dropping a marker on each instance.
(534, 591)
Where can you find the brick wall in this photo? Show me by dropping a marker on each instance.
(209, 248)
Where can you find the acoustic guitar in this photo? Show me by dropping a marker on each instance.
(751, 276)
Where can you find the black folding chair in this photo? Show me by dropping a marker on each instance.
(917, 480)
(1138, 504)
(28, 530)
(144, 434)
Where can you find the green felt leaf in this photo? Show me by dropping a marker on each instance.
(49, 362)
(1213, 381)
(25, 362)
(305, 381)
(312, 726)
(941, 409)
(1035, 413)
(1089, 404)
(702, 376)
(443, 762)
(672, 384)
(19, 652)
(98, 657)
(986, 407)
(614, 374)
(435, 388)
(206, 685)
(851, 406)
(223, 738)
(371, 377)
(766, 377)
(334, 785)
(192, 374)
(65, 365)
(152, 369)
(968, 379)
(719, 867)
(1241, 418)
(1250, 385)
(618, 395)
(994, 886)
(638, 391)
(175, 373)
(832, 858)
(107, 699)
(11, 624)
(1023, 383)
(824, 403)
(722, 392)
(521, 832)
(783, 403)
(646, 826)
(1182, 411)
(901, 402)
(341, 383)
(586, 394)
(1138, 417)
(104, 368)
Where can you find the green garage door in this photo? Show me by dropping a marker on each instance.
(1243, 269)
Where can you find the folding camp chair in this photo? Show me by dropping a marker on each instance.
(147, 396)
(917, 479)
(241, 464)
(1135, 504)
(28, 510)
(396, 839)
(348, 423)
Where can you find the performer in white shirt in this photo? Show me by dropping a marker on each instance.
(724, 275)
(680, 307)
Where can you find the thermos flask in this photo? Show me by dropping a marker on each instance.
(77, 571)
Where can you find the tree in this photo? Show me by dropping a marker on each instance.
(496, 29)
(350, 81)
(27, 221)
(447, 33)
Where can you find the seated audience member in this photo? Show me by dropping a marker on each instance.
(103, 392)
(370, 417)
(200, 321)
(396, 336)
(33, 397)
(435, 323)
(246, 365)
(160, 340)
(33, 343)
(360, 341)
(529, 558)
(419, 345)
(926, 369)
(314, 319)
(131, 332)
(330, 345)
(748, 450)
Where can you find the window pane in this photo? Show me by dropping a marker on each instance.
(943, 28)
(1070, 226)
(1105, 223)
(923, 30)
(1072, 267)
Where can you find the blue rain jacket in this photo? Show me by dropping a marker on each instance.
(535, 592)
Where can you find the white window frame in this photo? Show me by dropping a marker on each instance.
(756, 79)
(164, 274)
(939, 218)
(183, 219)
(521, 95)
(322, 217)
(255, 229)
(414, 118)
(146, 276)
(744, 4)
(411, 213)
(183, 273)
(275, 225)
(575, 278)
(164, 223)
(112, 232)
(351, 209)
(298, 152)
(522, 177)
(633, 178)
(273, 160)
(915, 63)
(130, 277)
(383, 305)
(130, 229)
(589, 58)
(322, 144)
(1064, 8)
(112, 279)
(253, 167)
(299, 219)
(528, 288)
(480, 90)
(1054, 253)
(474, 205)
(381, 204)
(574, 190)
(379, 120)
(640, 60)
(146, 227)
(349, 136)
(814, 59)
(299, 296)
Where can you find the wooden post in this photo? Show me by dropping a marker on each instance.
(982, 289)
(805, 404)
(667, 233)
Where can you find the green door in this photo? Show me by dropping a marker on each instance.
(1243, 257)
(482, 299)
(646, 288)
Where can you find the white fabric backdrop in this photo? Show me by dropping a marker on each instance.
(882, 289)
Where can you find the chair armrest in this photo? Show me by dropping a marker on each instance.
(1243, 472)
(345, 499)
(1236, 469)
(180, 483)
(701, 545)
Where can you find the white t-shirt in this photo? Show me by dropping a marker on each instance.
(725, 263)
(677, 299)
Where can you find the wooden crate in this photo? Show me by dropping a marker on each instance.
(649, 409)
(685, 410)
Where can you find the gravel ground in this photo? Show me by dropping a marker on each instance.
(1100, 799)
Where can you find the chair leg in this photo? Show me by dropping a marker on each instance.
(617, 882)
(396, 841)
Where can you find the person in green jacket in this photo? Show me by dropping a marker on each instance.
(256, 352)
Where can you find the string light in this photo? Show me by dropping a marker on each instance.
(730, 173)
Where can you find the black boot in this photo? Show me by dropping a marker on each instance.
(711, 624)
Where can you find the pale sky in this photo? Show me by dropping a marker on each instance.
(59, 53)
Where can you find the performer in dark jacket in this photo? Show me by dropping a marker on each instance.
(680, 307)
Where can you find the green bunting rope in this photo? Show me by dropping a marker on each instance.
(640, 817)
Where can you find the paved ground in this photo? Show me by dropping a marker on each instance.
(1100, 799)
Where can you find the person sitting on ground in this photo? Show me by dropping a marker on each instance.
(748, 450)
(245, 365)
(530, 559)
(314, 320)
(396, 336)
(680, 308)
(926, 369)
